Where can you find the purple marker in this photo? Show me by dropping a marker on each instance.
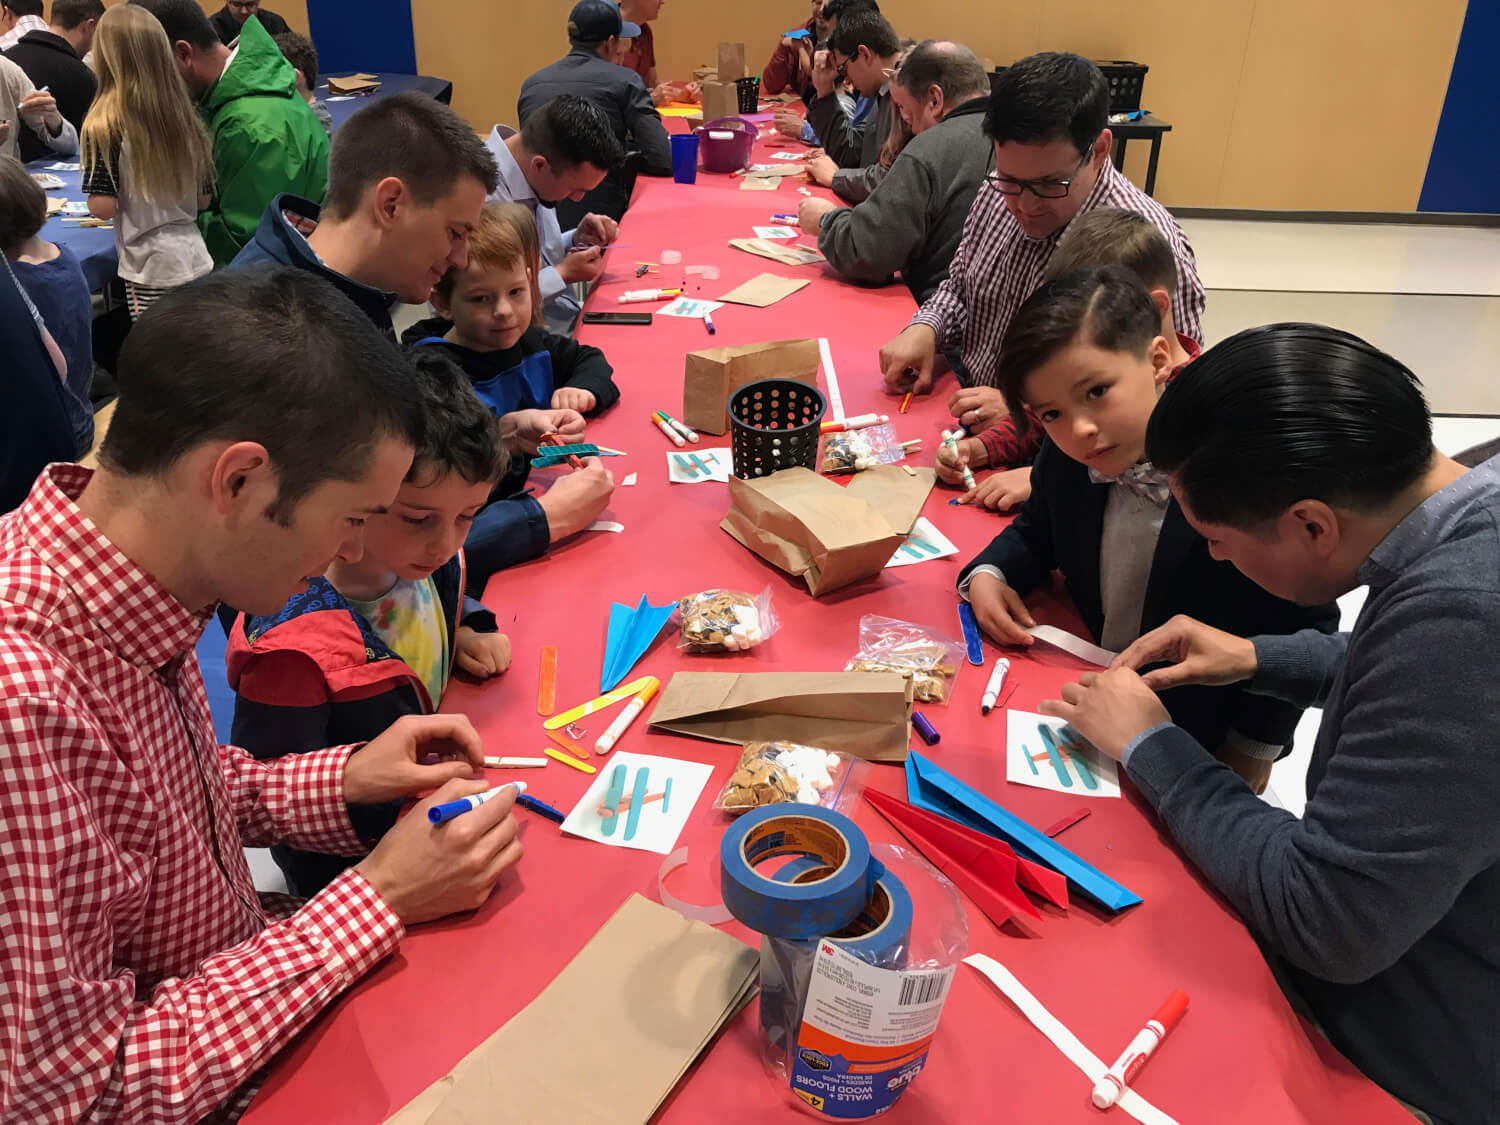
(925, 728)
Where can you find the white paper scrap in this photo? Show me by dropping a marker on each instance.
(1076, 646)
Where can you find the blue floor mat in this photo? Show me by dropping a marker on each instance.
(211, 659)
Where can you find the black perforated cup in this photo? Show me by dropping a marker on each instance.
(747, 91)
(773, 424)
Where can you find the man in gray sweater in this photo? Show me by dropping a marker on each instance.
(913, 220)
(1305, 457)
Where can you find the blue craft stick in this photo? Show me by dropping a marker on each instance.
(666, 796)
(693, 457)
(683, 465)
(637, 799)
(1057, 763)
(612, 797)
(1030, 761)
(912, 551)
(1078, 754)
(926, 546)
(972, 641)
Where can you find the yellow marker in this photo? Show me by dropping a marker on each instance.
(635, 687)
(569, 760)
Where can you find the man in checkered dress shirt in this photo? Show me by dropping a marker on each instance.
(142, 979)
(1047, 116)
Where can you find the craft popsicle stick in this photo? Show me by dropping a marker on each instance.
(546, 692)
(624, 691)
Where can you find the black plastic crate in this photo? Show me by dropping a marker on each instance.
(1126, 79)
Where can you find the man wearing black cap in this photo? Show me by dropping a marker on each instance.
(597, 30)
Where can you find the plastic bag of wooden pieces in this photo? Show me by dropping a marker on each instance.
(853, 451)
(929, 659)
(775, 773)
(726, 621)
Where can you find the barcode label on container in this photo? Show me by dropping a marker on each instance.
(923, 988)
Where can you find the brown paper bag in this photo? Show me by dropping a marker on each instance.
(711, 376)
(706, 74)
(763, 290)
(786, 253)
(828, 536)
(860, 713)
(719, 100)
(732, 62)
(354, 84)
(649, 991)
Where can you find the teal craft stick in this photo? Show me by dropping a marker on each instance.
(683, 465)
(912, 551)
(926, 546)
(1030, 761)
(1078, 755)
(1057, 762)
(666, 796)
(612, 797)
(637, 800)
(699, 464)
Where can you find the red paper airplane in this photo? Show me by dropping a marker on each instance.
(984, 868)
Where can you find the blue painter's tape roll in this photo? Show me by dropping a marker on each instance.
(810, 909)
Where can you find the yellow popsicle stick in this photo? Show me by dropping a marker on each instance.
(624, 691)
(569, 760)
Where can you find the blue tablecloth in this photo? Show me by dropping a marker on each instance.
(94, 247)
(340, 108)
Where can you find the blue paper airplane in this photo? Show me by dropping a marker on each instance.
(631, 632)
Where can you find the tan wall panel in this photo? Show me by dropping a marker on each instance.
(1194, 50)
(1339, 103)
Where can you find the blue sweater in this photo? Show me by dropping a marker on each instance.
(1383, 899)
(61, 295)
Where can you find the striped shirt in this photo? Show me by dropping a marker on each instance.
(997, 267)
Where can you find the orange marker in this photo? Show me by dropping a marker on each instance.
(553, 439)
(546, 692)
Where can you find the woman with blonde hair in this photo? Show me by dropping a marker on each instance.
(146, 157)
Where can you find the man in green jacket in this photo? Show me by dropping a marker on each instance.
(266, 139)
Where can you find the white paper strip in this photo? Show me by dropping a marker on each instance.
(835, 399)
(606, 525)
(1077, 646)
(1063, 1039)
(715, 914)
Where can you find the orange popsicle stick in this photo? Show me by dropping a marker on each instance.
(625, 802)
(567, 743)
(546, 692)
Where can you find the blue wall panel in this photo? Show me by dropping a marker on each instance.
(369, 35)
(1463, 173)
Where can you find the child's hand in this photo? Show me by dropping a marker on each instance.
(530, 426)
(573, 398)
(1000, 611)
(482, 655)
(1000, 492)
(576, 500)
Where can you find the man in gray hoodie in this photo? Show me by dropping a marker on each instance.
(1304, 456)
(913, 220)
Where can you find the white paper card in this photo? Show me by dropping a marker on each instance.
(1079, 770)
(1076, 646)
(775, 232)
(924, 543)
(789, 156)
(686, 306)
(656, 828)
(699, 465)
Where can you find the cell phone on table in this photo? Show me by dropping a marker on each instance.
(616, 318)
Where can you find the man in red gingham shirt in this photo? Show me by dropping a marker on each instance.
(1048, 117)
(142, 979)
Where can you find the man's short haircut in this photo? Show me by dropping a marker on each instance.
(865, 28)
(570, 130)
(1108, 307)
(1290, 412)
(294, 365)
(839, 9)
(460, 433)
(413, 137)
(23, 205)
(24, 7)
(183, 21)
(68, 14)
(1048, 97)
(951, 67)
(1110, 236)
(300, 52)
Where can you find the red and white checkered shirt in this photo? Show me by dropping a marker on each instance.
(141, 977)
(997, 267)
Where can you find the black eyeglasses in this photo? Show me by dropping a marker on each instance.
(1042, 189)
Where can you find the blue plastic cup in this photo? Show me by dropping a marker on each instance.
(685, 158)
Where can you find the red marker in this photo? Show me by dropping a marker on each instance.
(1108, 1089)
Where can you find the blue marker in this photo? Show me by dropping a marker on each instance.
(438, 814)
(540, 808)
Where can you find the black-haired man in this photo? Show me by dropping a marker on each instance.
(1380, 901)
(52, 57)
(229, 19)
(260, 420)
(562, 152)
